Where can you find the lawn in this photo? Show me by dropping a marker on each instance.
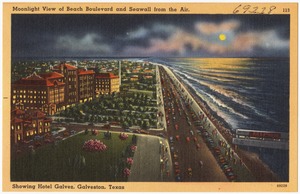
(64, 161)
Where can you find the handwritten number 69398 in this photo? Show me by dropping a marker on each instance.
(248, 9)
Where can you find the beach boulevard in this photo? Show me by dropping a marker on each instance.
(247, 163)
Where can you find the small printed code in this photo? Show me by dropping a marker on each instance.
(281, 185)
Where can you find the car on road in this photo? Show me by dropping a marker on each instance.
(161, 135)
(217, 150)
(144, 131)
(195, 139)
(230, 176)
(171, 139)
(189, 123)
(176, 126)
(176, 164)
(227, 169)
(72, 132)
(201, 163)
(128, 130)
(187, 139)
(222, 160)
(177, 137)
(58, 138)
(54, 132)
(189, 171)
(192, 132)
(137, 131)
(178, 178)
(172, 149)
(198, 146)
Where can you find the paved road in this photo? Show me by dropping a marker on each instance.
(186, 154)
(212, 127)
(147, 166)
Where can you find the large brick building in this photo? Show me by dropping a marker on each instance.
(86, 85)
(70, 79)
(106, 83)
(58, 90)
(35, 91)
(26, 124)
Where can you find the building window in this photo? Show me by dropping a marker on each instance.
(27, 134)
(18, 127)
(12, 127)
(19, 137)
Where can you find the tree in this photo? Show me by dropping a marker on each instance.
(145, 125)
(125, 124)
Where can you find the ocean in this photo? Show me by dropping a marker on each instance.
(249, 93)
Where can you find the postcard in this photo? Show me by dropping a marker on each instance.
(101, 97)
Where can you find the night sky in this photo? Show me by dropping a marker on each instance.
(35, 35)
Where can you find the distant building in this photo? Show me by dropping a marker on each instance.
(26, 124)
(86, 85)
(106, 83)
(134, 78)
(149, 71)
(35, 91)
(148, 76)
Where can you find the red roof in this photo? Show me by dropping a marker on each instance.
(55, 82)
(41, 80)
(106, 75)
(85, 72)
(51, 75)
(33, 76)
(16, 120)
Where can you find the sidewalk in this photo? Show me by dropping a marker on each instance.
(160, 103)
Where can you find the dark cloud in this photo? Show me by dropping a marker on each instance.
(149, 35)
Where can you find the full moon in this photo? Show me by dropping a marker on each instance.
(222, 37)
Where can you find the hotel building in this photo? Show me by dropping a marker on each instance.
(86, 85)
(26, 124)
(107, 83)
(39, 92)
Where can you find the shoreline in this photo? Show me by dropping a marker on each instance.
(260, 170)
